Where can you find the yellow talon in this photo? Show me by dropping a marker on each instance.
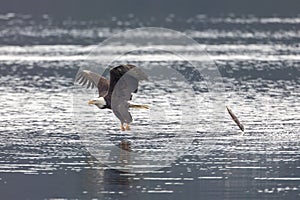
(122, 127)
(127, 127)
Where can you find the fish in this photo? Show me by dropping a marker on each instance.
(235, 119)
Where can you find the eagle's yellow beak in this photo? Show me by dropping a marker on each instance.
(91, 102)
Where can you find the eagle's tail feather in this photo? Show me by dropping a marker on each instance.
(138, 106)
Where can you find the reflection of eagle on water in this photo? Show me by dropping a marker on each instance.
(115, 93)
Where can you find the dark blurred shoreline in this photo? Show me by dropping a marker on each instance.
(93, 9)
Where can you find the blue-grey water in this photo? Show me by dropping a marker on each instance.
(41, 150)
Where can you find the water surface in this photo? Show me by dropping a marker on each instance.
(42, 156)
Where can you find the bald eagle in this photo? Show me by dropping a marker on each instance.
(115, 93)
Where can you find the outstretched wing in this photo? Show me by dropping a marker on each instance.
(91, 80)
(122, 113)
(124, 80)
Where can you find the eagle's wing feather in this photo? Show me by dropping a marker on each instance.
(124, 80)
(122, 113)
(127, 78)
(92, 80)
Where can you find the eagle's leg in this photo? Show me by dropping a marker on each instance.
(122, 127)
(127, 127)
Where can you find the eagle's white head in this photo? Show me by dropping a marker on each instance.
(99, 102)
